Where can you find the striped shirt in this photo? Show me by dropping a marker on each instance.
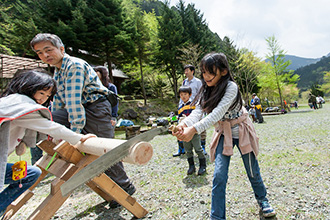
(185, 109)
(77, 84)
(218, 113)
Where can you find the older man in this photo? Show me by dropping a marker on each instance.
(80, 102)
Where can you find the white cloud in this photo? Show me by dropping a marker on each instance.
(302, 27)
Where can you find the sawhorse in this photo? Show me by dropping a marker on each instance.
(63, 161)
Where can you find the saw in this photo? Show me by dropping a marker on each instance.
(105, 161)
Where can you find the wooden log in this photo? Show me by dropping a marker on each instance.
(139, 154)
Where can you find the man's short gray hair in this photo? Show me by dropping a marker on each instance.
(42, 37)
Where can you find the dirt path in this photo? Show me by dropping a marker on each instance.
(294, 160)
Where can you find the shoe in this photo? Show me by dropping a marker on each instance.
(267, 209)
(192, 168)
(178, 154)
(202, 166)
(130, 190)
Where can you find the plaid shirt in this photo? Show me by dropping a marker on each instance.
(77, 84)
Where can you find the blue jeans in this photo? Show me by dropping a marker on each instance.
(220, 177)
(8, 195)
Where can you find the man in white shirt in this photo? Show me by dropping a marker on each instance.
(194, 83)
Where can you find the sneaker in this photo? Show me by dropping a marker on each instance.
(267, 209)
(130, 190)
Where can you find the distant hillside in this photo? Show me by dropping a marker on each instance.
(298, 62)
(313, 73)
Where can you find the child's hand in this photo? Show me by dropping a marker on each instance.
(86, 136)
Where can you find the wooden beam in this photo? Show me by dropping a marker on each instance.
(17, 204)
(109, 186)
(47, 146)
(68, 152)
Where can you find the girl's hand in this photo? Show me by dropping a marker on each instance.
(113, 122)
(86, 136)
(187, 134)
(178, 130)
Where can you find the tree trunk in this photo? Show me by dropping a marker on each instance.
(175, 84)
(142, 82)
(109, 67)
(279, 91)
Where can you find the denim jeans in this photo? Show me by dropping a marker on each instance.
(220, 177)
(8, 195)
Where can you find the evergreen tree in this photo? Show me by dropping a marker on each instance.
(170, 32)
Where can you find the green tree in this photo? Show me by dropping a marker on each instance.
(141, 40)
(17, 30)
(280, 69)
(170, 32)
(326, 85)
(232, 53)
(196, 30)
(247, 72)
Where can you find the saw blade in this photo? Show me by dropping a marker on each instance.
(105, 161)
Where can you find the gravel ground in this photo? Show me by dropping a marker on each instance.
(294, 160)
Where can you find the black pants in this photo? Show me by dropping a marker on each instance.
(259, 116)
(98, 118)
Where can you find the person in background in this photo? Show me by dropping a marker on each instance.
(319, 100)
(257, 106)
(221, 101)
(312, 101)
(184, 110)
(81, 100)
(103, 73)
(23, 114)
(195, 84)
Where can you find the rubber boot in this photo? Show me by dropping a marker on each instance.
(203, 146)
(181, 149)
(191, 169)
(202, 166)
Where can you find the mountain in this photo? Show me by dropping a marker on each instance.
(313, 74)
(298, 62)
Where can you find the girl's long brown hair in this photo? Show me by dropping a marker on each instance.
(209, 97)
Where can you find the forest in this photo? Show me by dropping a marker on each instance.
(150, 41)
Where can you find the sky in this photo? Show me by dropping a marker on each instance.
(301, 27)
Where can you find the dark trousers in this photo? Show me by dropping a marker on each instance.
(98, 118)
